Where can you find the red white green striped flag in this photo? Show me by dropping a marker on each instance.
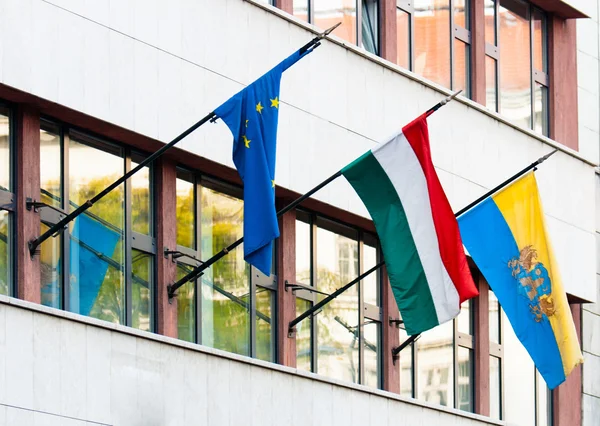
(419, 234)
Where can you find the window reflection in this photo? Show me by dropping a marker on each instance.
(465, 379)
(461, 13)
(51, 194)
(370, 26)
(519, 390)
(302, 252)
(432, 40)
(491, 84)
(338, 331)
(371, 282)
(406, 368)
(265, 343)
(140, 200)
(539, 41)
(436, 366)
(301, 9)
(225, 286)
(5, 259)
(495, 388)
(303, 337)
(329, 12)
(186, 306)
(4, 151)
(543, 401)
(461, 66)
(372, 351)
(490, 21)
(494, 317)
(515, 53)
(540, 107)
(403, 38)
(142, 266)
(96, 237)
(186, 211)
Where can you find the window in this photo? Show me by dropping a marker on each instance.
(526, 395)
(109, 250)
(344, 339)
(516, 62)
(496, 359)
(326, 13)
(438, 367)
(434, 40)
(7, 202)
(231, 306)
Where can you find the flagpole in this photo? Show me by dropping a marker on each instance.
(60, 225)
(196, 272)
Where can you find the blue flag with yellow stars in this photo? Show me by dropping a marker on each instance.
(251, 115)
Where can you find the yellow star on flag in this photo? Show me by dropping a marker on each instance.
(259, 108)
(247, 123)
(275, 102)
(272, 183)
(246, 141)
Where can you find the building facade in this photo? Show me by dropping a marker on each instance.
(89, 89)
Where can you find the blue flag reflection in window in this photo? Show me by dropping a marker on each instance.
(90, 242)
(252, 115)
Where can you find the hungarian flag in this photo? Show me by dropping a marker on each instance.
(419, 234)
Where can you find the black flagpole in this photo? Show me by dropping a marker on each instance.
(196, 272)
(411, 339)
(53, 230)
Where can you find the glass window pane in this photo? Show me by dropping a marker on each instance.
(541, 109)
(464, 320)
(490, 21)
(515, 62)
(406, 368)
(544, 401)
(403, 25)
(265, 343)
(461, 13)
(432, 40)
(50, 270)
(225, 286)
(5, 258)
(330, 12)
(436, 365)
(539, 41)
(142, 267)
(303, 337)
(5, 168)
(495, 389)
(494, 316)
(140, 201)
(371, 282)
(186, 234)
(461, 67)
(465, 379)
(186, 306)
(51, 193)
(303, 252)
(370, 27)
(338, 331)
(491, 83)
(96, 237)
(301, 9)
(519, 386)
(372, 351)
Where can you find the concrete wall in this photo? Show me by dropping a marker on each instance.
(156, 67)
(58, 368)
(588, 36)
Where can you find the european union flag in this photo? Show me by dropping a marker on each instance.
(251, 115)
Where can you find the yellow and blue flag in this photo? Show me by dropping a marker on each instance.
(506, 237)
(252, 115)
